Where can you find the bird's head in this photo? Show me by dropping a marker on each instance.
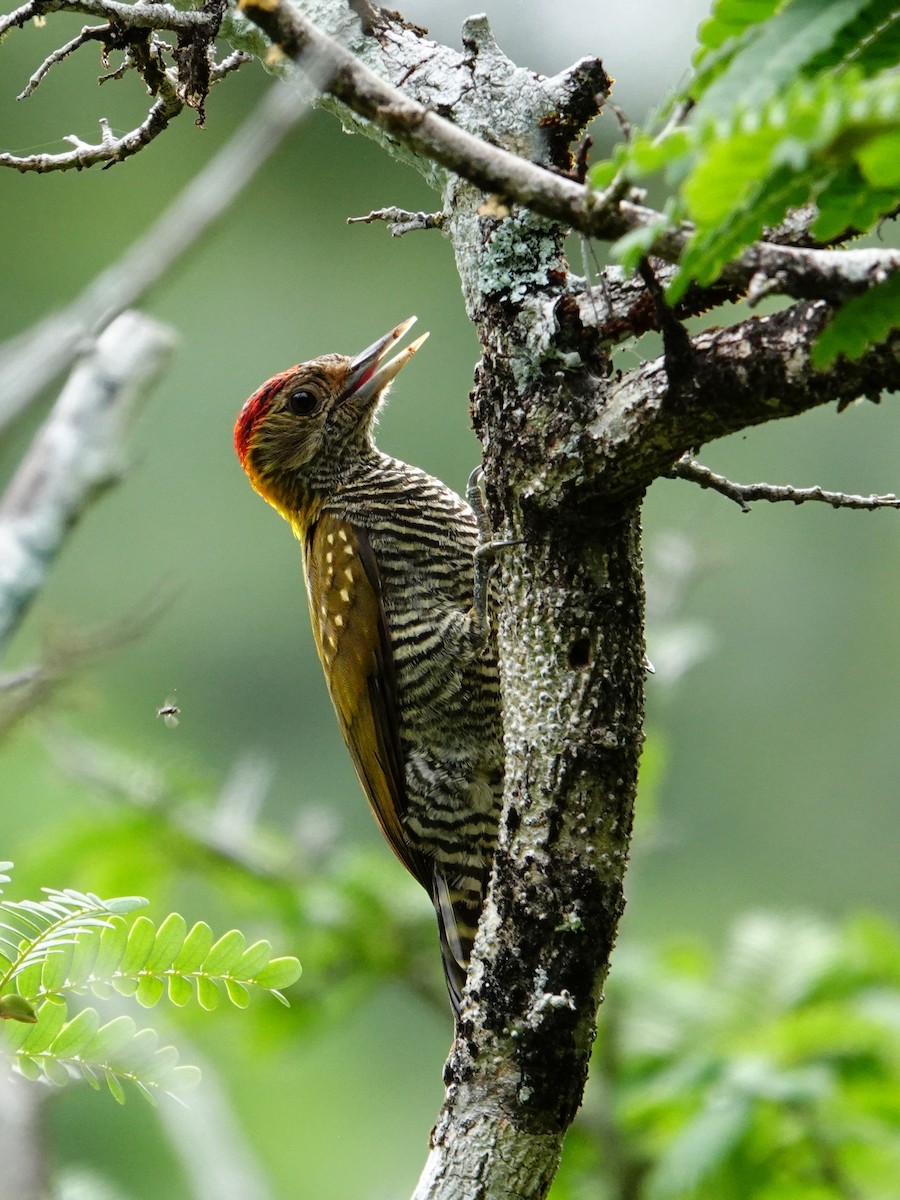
(304, 429)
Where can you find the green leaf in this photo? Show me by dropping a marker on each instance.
(870, 41)
(113, 941)
(237, 993)
(207, 993)
(774, 53)
(859, 323)
(84, 955)
(225, 954)
(28, 980)
(55, 971)
(55, 1072)
(110, 1039)
(169, 941)
(141, 940)
(180, 990)
(163, 1062)
(280, 973)
(150, 991)
(115, 1087)
(749, 171)
(125, 904)
(847, 203)
(197, 945)
(134, 1057)
(879, 159)
(125, 985)
(253, 960)
(729, 20)
(51, 1016)
(76, 1034)
(633, 246)
(144, 1091)
(29, 1067)
(602, 174)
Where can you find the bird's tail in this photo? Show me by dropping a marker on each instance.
(458, 902)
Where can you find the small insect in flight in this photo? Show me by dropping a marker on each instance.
(170, 713)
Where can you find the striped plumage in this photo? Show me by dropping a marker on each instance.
(389, 558)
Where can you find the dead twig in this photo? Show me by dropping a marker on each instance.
(745, 494)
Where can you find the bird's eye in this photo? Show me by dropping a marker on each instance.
(302, 403)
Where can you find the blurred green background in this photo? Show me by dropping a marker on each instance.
(772, 713)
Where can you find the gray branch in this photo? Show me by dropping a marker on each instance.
(76, 453)
(109, 149)
(745, 494)
(129, 16)
(399, 220)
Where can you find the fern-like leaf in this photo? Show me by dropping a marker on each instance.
(75, 943)
(60, 1051)
(46, 929)
(136, 958)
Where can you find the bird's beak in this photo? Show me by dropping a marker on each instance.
(368, 374)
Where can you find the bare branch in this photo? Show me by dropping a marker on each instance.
(131, 28)
(108, 150)
(400, 220)
(745, 494)
(77, 452)
(130, 16)
(813, 274)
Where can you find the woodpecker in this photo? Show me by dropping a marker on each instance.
(396, 580)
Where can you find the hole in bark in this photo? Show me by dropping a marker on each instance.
(580, 654)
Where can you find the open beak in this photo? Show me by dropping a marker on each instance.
(368, 373)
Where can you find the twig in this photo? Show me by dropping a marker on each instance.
(171, 99)
(33, 360)
(745, 494)
(77, 452)
(108, 150)
(400, 220)
(129, 16)
(90, 33)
